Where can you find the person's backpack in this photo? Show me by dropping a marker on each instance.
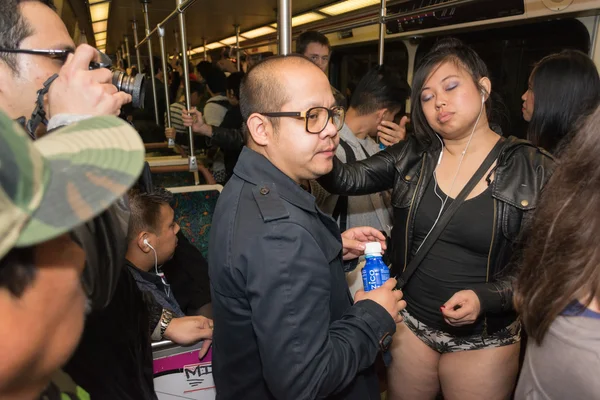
(223, 103)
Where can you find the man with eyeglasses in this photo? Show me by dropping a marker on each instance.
(285, 324)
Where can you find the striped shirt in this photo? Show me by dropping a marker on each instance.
(177, 110)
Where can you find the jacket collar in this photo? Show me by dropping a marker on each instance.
(258, 170)
(143, 276)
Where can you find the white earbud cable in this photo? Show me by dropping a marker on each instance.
(156, 268)
(445, 200)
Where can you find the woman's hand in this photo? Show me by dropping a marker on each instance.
(462, 309)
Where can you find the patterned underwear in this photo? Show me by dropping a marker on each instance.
(443, 342)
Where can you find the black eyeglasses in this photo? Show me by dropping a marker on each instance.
(316, 118)
(54, 54)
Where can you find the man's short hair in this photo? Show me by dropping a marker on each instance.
(145, 210)
(380, 88)
(309, 37)
(204, 68)
(261, 90)
(216, 81)
(14, 29)
(196, 87)
(233, 83)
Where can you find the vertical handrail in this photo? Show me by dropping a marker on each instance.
(163, 56)
(137, 49)
(186, 79)
(382, 15)
(128, 53)
(284, 27)
(237, 47)
(153, 77)
(123, 53)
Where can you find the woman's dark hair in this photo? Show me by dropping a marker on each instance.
(565, 86)
(561, 259)
(445, 50)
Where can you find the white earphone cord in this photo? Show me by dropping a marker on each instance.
(445, 200)
(156, 268)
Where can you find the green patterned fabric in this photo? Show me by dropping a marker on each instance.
(193, 213)
(54, 184)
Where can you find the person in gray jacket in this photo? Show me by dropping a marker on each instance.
(380, 97)
(285, 324)
(557, 290)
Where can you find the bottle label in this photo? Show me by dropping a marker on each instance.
(371, 278)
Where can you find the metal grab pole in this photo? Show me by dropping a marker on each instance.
(137, 49)
(284, 27)
(163, 56)
(123, 55)
(382, 15)
(128, 53)
(178, 10)
(186, 79)
(152, 78)
(237, 47)
(205, 55)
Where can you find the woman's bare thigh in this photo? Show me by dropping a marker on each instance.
(413, 373)
(479, 374)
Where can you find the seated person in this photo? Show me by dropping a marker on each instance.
(187, 270)
(380, 97)
(152, 239)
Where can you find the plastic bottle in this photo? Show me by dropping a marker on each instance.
(375, 272)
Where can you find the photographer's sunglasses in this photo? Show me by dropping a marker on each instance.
(60, 55)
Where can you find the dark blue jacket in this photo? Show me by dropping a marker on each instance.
(285, 326)
(151, 283)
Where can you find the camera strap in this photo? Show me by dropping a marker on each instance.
(39, 114)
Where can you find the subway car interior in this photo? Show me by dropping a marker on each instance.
(175, 43)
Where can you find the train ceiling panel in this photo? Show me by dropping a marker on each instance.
(211, 19)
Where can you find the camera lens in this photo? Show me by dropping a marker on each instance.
(133, 85)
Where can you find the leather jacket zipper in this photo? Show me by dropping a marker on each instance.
(484, 334)
(412, 201)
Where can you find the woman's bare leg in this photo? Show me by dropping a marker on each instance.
(413, 373)
(488, 374)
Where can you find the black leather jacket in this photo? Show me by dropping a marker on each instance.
(521, 172)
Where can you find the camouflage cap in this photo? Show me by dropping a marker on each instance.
(54, 184)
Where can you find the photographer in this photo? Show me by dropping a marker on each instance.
(77, 93)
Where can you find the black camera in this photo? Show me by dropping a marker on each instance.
(133, 85)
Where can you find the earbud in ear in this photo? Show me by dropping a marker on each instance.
(146, 242)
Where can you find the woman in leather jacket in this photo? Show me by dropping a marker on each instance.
(460, 333)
